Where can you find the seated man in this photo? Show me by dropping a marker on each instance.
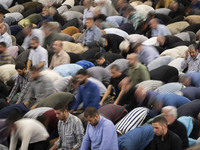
(137, 72)
(164, 138)
(158, 29)
(5, 58)
(170, 114)
(88, 92)
(100, 133)
(40, 87)
(4, 36)
(31, 132)
(38, 56)
(100, 60)
(192, 59)
(60, 57)
(116, 78)
(146, 54)
(92, 33)
(21, 84)
(70, 129)
(45, 17)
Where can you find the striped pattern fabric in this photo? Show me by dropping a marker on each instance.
(132, 120)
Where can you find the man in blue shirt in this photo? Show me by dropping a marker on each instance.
(144, 136)
(92, 33)
(100, 133)
(146, 54)
(88, 92)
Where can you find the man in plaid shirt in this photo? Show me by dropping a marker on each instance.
(21, 83)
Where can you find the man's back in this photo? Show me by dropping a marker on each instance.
(139, 74)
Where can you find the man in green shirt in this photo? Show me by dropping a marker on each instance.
(137, 72)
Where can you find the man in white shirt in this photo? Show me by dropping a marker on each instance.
(158, 29)
(4, 36)
(30, 33)
(38, 56)
(31, 132)
(88, 11)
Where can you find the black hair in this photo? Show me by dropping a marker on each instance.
(33, 68)
(99, 55)
(91, 112)
(161, 120)
(3, 44)
(20, 66)
(82, 72)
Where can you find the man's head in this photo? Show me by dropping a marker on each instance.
(174, 6)
(87, 3)
(34, 72)
(103, 42)
(124, 46)
(129, 11)
(154, 23)
(160, 126)
(99, 57)
(161, 40)
(2, 28)
(21, 69)
(137, 47)
(185, 80)
(45, 11)
(193, 50)
(170, 114)
(82, 76)
(61, 111)
(57, 46)
(2, 47)
(34, 43)
(89, 23)
(132, 60)
(1, 17)
(91, 114)
(28, 30)
(115, 71)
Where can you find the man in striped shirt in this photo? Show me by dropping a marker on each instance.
(5, 58)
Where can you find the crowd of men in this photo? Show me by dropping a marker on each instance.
(99, 75)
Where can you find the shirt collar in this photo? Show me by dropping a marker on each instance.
(60, 53)
(68, 118)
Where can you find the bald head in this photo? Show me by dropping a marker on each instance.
(57, 46)
(132, 60)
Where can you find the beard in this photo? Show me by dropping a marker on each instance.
(82, 82)
(23, 74)
(34, 47)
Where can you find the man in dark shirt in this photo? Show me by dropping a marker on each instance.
(164, 139)
(116, 77)
(100, 60)
(167, 41)
(165, 74)
(170, 114)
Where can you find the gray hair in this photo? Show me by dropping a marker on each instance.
(171, 110)
(124, 45)
(193, 46)
(101, 42)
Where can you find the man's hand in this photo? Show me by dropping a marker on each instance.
(186, 54)
(101, 103)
